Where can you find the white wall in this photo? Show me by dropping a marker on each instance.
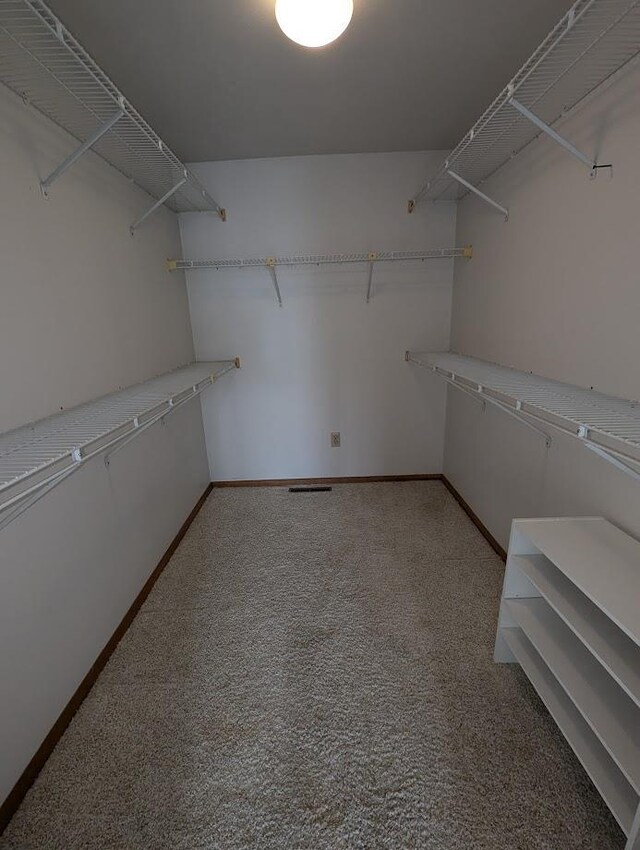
(554, 291)
(84, 309)
(327, 361)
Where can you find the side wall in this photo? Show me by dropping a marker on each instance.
(327, 361)
(554, 291)
(84, 309)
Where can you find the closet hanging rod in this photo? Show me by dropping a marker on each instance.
(323, 259)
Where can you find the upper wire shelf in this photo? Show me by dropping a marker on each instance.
(323, 259)
(272, 263)
(35, 455)
(593, 41)
(45, 65)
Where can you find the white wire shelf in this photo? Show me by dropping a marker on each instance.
(33, 456)
(371, 258)
(608, 425)
(591, 43)
(323, 259)
(46, 66)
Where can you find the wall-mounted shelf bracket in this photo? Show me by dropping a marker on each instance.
(614, 459)
(520, 417)
(473, 395)
(271, 266)
(84, 147)
(157, 204)
(584, 159)
(476, 191)
(372, 258)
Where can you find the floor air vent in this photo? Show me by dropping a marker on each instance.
(310, 489)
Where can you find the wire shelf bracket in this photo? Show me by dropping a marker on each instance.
(565, 143)
(36, 458)
(41, 62)
(370, 259)
(606, 425)
(271, 266)
(157, 204)
(69, 161)
(480, 194)
(591, 44)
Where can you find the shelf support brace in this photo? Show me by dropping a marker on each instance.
(520, 418)
(485, 198)
(372, 258)
(271, 265)
(475, 396)
(614, 460)
(84, 147)
(552, 133)
(633, 838)
(157, 204)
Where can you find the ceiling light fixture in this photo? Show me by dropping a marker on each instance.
(313, 23)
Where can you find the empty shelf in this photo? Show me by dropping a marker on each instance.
(593, 41)
(609, 423)
(42, 62)
(613, 717)
(32, 455)
(618, 653)
(605, 775)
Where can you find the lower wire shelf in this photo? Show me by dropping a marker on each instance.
(36, 456)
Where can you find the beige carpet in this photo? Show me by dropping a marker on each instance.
(315, 671)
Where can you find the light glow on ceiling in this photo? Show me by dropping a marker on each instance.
(313, 23)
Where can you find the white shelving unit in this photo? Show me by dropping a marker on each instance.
(370, 259)
(606, 425)
(570, 616)
(45, 65)
(593, 41)
(37, 456)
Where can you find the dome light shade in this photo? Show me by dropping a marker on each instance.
(313, 23)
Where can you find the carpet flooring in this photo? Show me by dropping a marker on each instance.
(314, 672)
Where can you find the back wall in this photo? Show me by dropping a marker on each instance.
(327, 361)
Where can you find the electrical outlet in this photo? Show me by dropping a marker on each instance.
(335, 439)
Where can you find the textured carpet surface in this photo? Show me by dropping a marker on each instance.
(315, 671)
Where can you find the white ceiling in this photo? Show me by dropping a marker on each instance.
(218, 80)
